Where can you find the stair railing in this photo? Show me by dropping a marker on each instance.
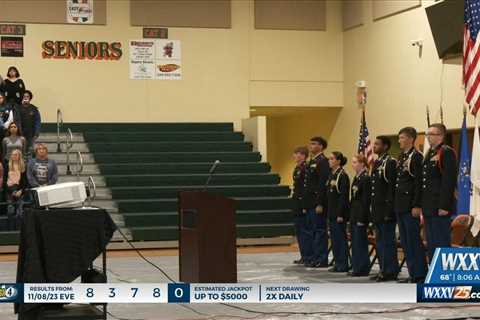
(59, 128)
(69, 145)
(79, 165)
(91, 190)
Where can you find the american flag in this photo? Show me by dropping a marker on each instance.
(471, 55)
(364, 143)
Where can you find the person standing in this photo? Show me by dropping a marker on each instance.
(408, 195)
(337, 210)
(317, 175)
(383, 217)
(14, 87)
(13, 141)
(30, 120)
(439, 181)
(6, 116)
(359, 216)
(303, 203)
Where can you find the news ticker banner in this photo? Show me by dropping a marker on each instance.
(207, 293)
(454, 276)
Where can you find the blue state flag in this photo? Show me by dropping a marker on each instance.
(463, 183)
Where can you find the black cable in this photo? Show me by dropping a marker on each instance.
(143, 257)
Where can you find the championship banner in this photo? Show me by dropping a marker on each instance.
(80, 11)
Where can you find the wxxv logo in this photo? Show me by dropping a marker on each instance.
(435, 293)
(458, 266)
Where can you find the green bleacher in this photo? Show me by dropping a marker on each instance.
(146, 165)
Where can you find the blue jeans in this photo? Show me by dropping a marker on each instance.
(412, 244)
(386, 246)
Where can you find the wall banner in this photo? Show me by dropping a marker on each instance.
(80, 11)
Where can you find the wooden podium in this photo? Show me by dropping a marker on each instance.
(207, 238)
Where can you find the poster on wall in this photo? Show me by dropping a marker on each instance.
(168, 60)
(80, 11)
(142, 59)
(155, 59)
(12, 46)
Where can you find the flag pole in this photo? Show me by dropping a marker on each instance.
(441, 114)
(428, 116)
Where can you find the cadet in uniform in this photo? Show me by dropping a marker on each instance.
(337, 208)
(359, 216)
(317, 175)
(439, 180)
(383, 217)
(303, 201)
(408, 194)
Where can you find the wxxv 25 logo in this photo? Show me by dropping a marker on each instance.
(436, 293)
(11, 293)
(459, 266)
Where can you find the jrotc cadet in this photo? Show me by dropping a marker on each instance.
(303, 201)
(408, 193)
(439, 180)
(383, 217)
(318, 171)
(359, 216)
(337, 208)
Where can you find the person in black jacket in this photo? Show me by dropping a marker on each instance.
(338, 186)
(13, 86)
(439, 181)
(408, 195)
(303, 202)
(383, 217)
(359, 216)
(30, 121)
(318, 171)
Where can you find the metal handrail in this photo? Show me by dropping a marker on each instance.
(79, 165)
(69, 144)
(59, 127)
(91, 186)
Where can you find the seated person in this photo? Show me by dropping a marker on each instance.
(41, 170)
(16, 185)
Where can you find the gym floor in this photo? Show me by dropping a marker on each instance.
(255, 264)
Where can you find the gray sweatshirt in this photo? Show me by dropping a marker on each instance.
(42, 172)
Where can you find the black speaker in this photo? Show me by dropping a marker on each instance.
(446, 19)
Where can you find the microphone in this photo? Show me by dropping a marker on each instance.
(210, 173)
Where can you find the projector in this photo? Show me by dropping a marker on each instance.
(62, 195)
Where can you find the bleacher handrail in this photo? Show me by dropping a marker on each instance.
(59, 129)
(69, 145)
(91, 186)
(79, 165)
